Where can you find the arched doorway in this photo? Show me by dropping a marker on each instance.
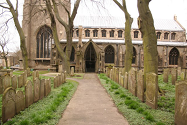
(173, 56)
(90, 58)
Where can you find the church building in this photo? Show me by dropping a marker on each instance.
(98, 41)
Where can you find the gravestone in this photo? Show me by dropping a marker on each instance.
(42, 85)
(152, 90)
(33, 75)
(140, 85)
(28, 94)
(55, 81)
(62, 75)
(36, 89)
(182, 76)
(9, 106)
(122, 80)
(132, 83)
(72, 71)
(178, 71)
(173, 75)
(20, 81)
(20, 101)
(37, 74)
(165, 75)
(6, 82)
(181, 103)
(117, 75)
(28, 72)
(119, 78)
(126, 81)
(14, 82)
(47, 87)
(111, 74)
(1, 85)
(60, 68)
(59, 80)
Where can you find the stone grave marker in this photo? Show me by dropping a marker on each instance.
(36, 89)
(181, 103)
(6, 82)
(8, 104)
(165, 75)
(117, 75)
(28, 94)
(122, 80)
(140, 85)
(14, 82)
(47, 87)
(62, 75)
(20, 81)
(28, 72)
(59, 80)
(37, 74)
(126, 81)
(132, 83)
(1, 85)
(152, 90)
(182, 76)
(72, 71)
(174, 75)
(110, 74)
(60, 68)
(20, 101)
(34, 75)
(42, 85)
(55, 81)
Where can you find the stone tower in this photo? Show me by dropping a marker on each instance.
(36, 26)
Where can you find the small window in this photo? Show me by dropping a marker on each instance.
(112, 33)
(77, 33)
(166, 35)
(173, 36)
(136, 34)
(95, 33)
(158, 34)
(120, 32)
(103, 33)
(87, 33)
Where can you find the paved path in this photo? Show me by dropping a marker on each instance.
(91, 105)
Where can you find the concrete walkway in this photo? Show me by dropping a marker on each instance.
(91, 105)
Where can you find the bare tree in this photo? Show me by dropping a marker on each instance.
(14, 11)
(146, 26)
(128, 39)
(3, 43)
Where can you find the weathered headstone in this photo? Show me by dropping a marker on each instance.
(122, 80)
(174, 75)
(36, 89)
(181, 103)
(72, 71)
(33, 75)
(152, 90)
(20, 101)
(117, 75)
(28, 72)
(55, 81)
(28, 94)
(9, 106)
(37, 74)
(42, 85)
(1, 85)
(165, 75)
(63, 80)
(132, 83)
(14, 82)
(182, 76)
(47, 87)
(60, 68)
(20, 81)
(126, 81)
(140, 85)
(59, 80)
(6, 82)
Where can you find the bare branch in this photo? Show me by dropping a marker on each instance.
(76, 6)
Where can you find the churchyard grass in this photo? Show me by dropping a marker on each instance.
(133, 109)
(49, 109)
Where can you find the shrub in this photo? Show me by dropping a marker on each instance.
(149, 117)
(117, 92)
(123, 96)
(140, 110)
(24, 122)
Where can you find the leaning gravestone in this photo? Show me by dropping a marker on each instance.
(1, 85)
(6, 82)
(14, 82)
(140, 85)
(132, 83)
(20, 81)
(152, 90)
(20, 101)
(126, 81)
(165, 75)
(9, 106)
(42, 85)
(36, 89)
(181, 103)
(28, 94)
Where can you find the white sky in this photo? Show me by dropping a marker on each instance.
(160, 9)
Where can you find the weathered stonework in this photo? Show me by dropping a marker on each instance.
(140, 85)
(132, 83)
(28, 94)
(20, 101)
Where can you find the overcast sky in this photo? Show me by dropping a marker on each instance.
(160, 9)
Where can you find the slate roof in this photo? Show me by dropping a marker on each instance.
(119, 22)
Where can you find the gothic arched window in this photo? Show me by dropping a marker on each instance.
(103, 33)
(109, 54)
(173, 57)
(120, 32)
(134, 56)
(112, 33)
(136, 34)
(44, 41)
(87, 33)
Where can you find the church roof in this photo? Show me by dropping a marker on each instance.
(119, 22)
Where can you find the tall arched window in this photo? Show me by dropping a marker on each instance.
(44, 40)
(120, 32)
(173, 36)
(158, 34)
(173, 57)
(112, 33)
(109, 54)
(103, 33)
(134, 56)
(87, 33)
(72, 57)
(136, 34)
(95, 33)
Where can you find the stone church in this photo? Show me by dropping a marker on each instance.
(98, 42)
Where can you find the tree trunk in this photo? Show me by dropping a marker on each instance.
(21, 35)
(146, 26)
